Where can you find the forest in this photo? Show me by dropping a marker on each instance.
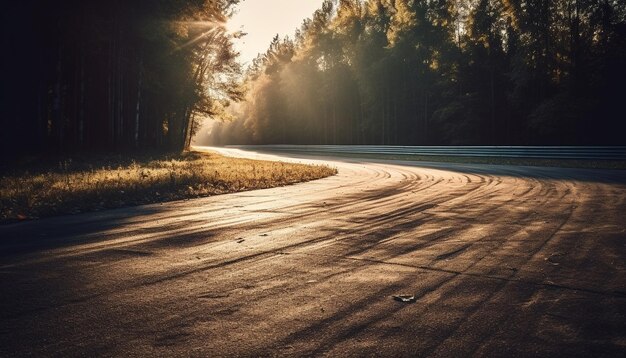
(125, 76)
(439, 72)
(113, 75)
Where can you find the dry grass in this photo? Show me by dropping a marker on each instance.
(73, 188)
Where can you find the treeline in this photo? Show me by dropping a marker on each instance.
(441, 72)
(113, 75)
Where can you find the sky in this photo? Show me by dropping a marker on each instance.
(263, 19)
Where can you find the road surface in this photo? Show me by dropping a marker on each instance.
(502, 261)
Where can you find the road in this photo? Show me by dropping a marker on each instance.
(542, 152)
(502, 260)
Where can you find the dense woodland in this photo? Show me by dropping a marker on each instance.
(113, 75)
(440, 72)
(121, 75)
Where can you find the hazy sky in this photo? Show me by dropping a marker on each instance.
(262, 19)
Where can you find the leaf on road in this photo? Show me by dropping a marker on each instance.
(405, 298)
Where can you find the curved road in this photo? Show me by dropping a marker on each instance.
(502, 261)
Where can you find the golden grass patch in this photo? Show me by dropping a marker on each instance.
(189, 175)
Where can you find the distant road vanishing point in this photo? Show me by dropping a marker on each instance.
(497, 260)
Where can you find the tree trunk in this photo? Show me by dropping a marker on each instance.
(81, 105)
(111, 124)
(57, 116)
(425, 135)
(120, 93)
(138, 106)
(493, 104)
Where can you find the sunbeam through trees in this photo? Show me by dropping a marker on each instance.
(440, 72)
(113, 75)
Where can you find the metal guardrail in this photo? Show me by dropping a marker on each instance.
(543, 152)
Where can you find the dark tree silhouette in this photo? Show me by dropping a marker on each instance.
(113, 75)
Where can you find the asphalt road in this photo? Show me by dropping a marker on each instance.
(502, 260)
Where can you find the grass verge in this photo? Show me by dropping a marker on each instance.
(34, 191)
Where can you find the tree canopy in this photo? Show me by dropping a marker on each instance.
(427, 72)
(113, 75)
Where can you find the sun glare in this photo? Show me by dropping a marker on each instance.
(261, 20)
